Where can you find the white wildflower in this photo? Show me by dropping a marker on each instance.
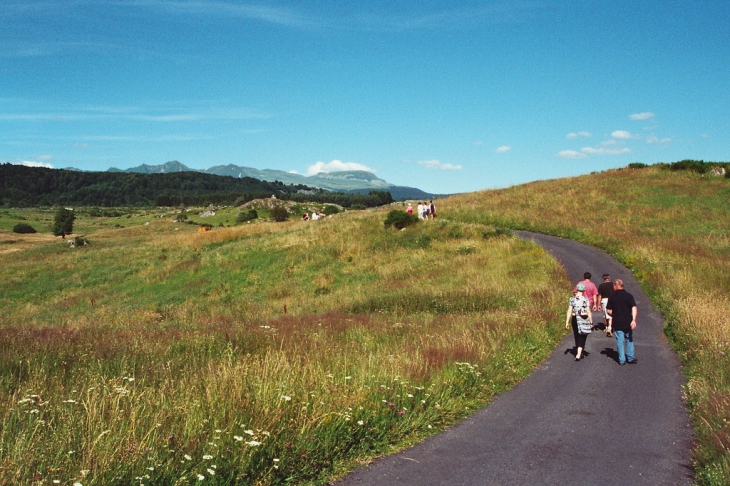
(253, 443)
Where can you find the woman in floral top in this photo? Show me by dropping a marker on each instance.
(579, 313)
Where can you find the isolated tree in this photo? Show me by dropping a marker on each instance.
(63, 222)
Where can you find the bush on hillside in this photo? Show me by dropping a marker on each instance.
(24, 228)
(279, 214)
(244, 216)
(400, 219)
(637, 165)
(330, 209)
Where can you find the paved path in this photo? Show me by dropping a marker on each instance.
(569, 423)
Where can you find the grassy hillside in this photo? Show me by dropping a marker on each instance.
(259, 353)
(673, 230)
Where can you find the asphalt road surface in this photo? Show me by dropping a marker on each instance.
(569, 423)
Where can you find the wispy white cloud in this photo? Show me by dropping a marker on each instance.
(133, 114)
(586, 151)
(578, 134)
(571, 154)
(605, 151)
(642, 116)
(436, 165)
(503, 149)
(336, 166)
(302, 18)
(622, 134)
(655, 139)
(284, 16)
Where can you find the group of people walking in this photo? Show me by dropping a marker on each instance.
(424, 210)
(619, 311)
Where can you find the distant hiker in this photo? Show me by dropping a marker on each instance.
(622, 308)
(580, 307)
(605, 290)
(305, 217)
(591, 292)
(410, 209)
(426, 210)
(420, 210)
(433, 210)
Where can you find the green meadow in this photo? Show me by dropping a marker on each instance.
(255, 353)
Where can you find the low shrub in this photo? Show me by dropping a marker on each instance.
(249, 215)
(80, 241)
(23, 228)
(400, 219)
(637, 165)
(330, 209)
(279, 214)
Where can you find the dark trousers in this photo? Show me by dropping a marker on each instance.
(580, 339)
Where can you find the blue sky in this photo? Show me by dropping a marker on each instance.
(446, 96)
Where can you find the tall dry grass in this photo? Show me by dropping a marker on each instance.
(671, 229)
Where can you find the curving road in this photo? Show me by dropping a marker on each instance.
(590, 422)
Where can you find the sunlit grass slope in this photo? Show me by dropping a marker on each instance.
(673, 230)
(260, 353)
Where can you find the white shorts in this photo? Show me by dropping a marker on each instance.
(605, 314)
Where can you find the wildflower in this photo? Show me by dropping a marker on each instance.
(150, 468)
(253, 443)
(348, 377)
(187, 457)
(211, 472)
(84, 472)
(238, 438)
(207, 457)
(423, 401)
(249, 432)
(360, 422)
(56, 481)
(267, 434)
(410, 396)
(78, 484)
(276, 460)
(200, 477)
(430, 427)
(218, 431)
(286, 398)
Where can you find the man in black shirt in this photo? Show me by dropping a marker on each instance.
(622, 308)
(605, 290)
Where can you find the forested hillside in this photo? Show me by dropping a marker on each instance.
(22, 186)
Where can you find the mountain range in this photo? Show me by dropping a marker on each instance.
(354, 181)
